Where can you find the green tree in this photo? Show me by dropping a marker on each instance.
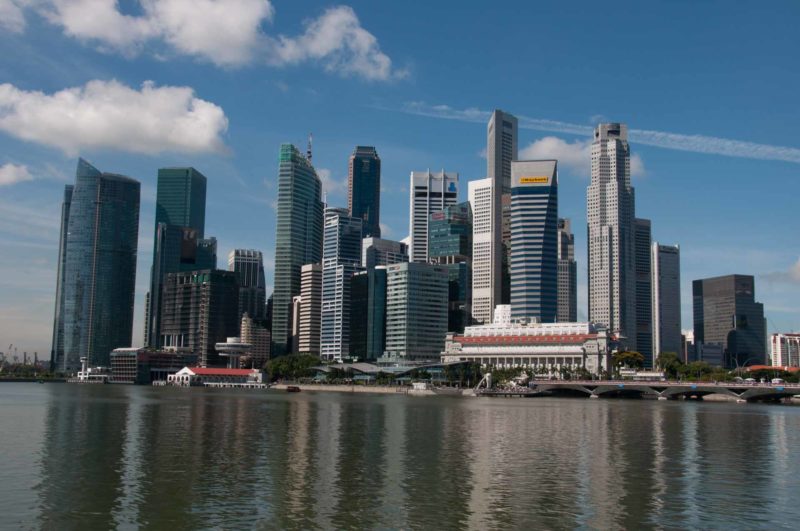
(670, 363)
(628, 359)
(291, 367)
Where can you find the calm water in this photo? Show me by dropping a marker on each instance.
(101, 457)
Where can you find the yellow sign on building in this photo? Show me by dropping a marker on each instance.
(532, 180)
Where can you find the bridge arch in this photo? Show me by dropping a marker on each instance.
(698, 391)
(625, 390)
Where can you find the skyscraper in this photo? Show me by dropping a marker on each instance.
(378, 252)
(340, 259)
(199, 309)
(256, 334)
(485, 269)
(567, 274)
(368, 314)
(642, 235)
(57, 349)
(364, 189)
(727, 314)
(298, 238)
(416, 311)
(430, 192)
(501, 149)
(666, 299)
(248, 264)
(99, 267)
(610, 213)
(311, 309)
(178, 241)
(450, 246)
(534, 240)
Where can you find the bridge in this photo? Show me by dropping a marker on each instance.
(661, 390)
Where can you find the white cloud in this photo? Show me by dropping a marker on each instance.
(336, 39)
(11, 16)
(12, 174)
(108, 114)
(681, 142)
(574, 157)
(227, 33)
(790, 276)
(331, 186)
(386, 230)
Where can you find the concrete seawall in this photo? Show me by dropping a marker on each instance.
(375, 389)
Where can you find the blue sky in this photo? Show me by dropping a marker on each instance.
(135, 86)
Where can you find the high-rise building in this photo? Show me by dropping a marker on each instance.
(341, 257)
(642, 236)
(256, 334)
(311, 310)
(298, 238)
(610, 214)
(450, 245)
(294, 335)
(248, 264)
(687, 353)
(368, 314)
(99, 268)
(567, 274)
(379, 252)
(501, 149)
(416, 311)
(57, 349)
(666, 299)
(785, 350)
(534, 240)
(727, 314)
(364, 189)
(430, 192)
(178, 240)
(485, 288)
(199, 309)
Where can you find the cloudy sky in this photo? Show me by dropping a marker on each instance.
(709, 94)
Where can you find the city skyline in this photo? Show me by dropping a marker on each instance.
(742, 202)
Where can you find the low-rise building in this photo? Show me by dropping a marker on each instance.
(143, 366)
(192, 376)
(544, 347)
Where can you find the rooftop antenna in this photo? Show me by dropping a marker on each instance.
(308, 151)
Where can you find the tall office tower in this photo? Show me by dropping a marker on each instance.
(248, 264)
(485, 289)
(95, 306)
(255, 333)
(379, 252)
(199, 309)
(57, 349)
(687, 352)
(567, 274)
(430, 192)
(785, 350)
(311, 310)
(299, 235)
(610, 213)
(368, 314)
(726, 314)
(501, 149)
(642, 236)
(450, 245)
(534, 240)
(364, 189)
(416, 311)
(341, 257)
(294, 335)
(178, 240)
(666, 299)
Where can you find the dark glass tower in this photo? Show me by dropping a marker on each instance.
(298, 238)
(642, 235)
(364, 189)
(450, 245)
(368, 314)
(248, 264)
(99, 265)
(178, 242)
(57, 350)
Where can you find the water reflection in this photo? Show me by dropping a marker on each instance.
(133, 457)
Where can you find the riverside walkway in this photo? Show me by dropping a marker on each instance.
(662, 390)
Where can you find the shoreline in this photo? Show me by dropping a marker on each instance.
(373, 389)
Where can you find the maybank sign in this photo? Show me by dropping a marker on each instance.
(539, 179)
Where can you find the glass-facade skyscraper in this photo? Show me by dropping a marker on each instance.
(57, 350)
(248, 264)
(178, 243)
(364, 189)
(99, 268)
(298, 238)
(450, 245)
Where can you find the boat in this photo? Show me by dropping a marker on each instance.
(292, 389)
